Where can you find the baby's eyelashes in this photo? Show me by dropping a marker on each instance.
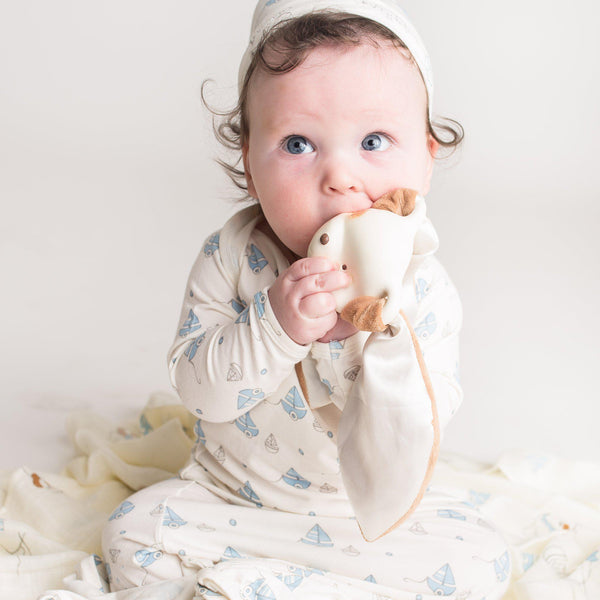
(375, 142)
(297, 144)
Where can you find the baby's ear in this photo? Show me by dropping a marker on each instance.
(432, 146)
(247, 173)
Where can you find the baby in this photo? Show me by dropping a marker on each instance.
(314, 437)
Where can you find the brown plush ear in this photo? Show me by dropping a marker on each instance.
(364, 313)
(400, 201)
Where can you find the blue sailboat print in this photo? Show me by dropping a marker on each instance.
(547, 523)
(476, 498)
(442, 582)
(334, 347)
(258, 590)
(231, 553)
(191, 324)
(448, 513)
(317, 537)
(256, 259)
(200, 435)
(260, 300)
(147, 556)
(238, 304)
(211, 245)
(243, 318)
(293, 580)
(122, 510)
(248, 493)
(296, 480)
(191, 350)
(329, 386)
(172, 519)
(293, 404)
(426, 327)
(421, 289)
(246, 425)
(502, 566)
(528, 560)
(370, 578)
(247, 397)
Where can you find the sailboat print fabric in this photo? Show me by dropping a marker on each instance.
(178, 527)
(262, 509)
(270, 438)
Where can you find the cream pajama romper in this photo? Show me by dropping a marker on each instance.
(261, 508)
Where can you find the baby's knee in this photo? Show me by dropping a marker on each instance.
(129, 544)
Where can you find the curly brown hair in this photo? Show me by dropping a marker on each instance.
(291, 41)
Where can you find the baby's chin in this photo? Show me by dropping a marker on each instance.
(298, 248)
(294, 251)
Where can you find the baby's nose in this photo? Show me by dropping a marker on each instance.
(339, 177)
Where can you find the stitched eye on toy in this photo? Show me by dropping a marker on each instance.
(324, 239)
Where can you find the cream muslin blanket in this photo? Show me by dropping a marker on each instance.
(547, 508)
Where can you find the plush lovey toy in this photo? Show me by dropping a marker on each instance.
(388, 435)
(374, 247)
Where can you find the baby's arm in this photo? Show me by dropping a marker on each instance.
(227, 356)
(229, 353)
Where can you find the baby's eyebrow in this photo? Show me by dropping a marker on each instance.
(290, 120)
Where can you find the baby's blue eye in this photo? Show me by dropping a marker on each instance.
(296, 144)
(375, 141)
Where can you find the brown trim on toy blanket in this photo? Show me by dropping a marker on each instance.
(302, 381)
(435, 449)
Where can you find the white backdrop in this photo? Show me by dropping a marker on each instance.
(108, 188)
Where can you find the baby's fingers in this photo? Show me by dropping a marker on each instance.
(306, 267)
(321, 282)
(316, 306)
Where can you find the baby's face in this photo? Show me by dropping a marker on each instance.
(333, 135)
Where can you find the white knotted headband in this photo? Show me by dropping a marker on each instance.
(268, 13)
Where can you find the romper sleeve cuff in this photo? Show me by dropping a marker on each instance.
(274, 333)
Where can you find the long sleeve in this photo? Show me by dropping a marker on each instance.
(403, 396)
(437, 326)
(229, 352)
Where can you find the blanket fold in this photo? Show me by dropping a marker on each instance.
(547, 508)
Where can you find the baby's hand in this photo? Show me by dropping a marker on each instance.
(302, 301)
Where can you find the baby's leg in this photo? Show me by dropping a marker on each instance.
(445, 548)
(133, 541)
(176, 527)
